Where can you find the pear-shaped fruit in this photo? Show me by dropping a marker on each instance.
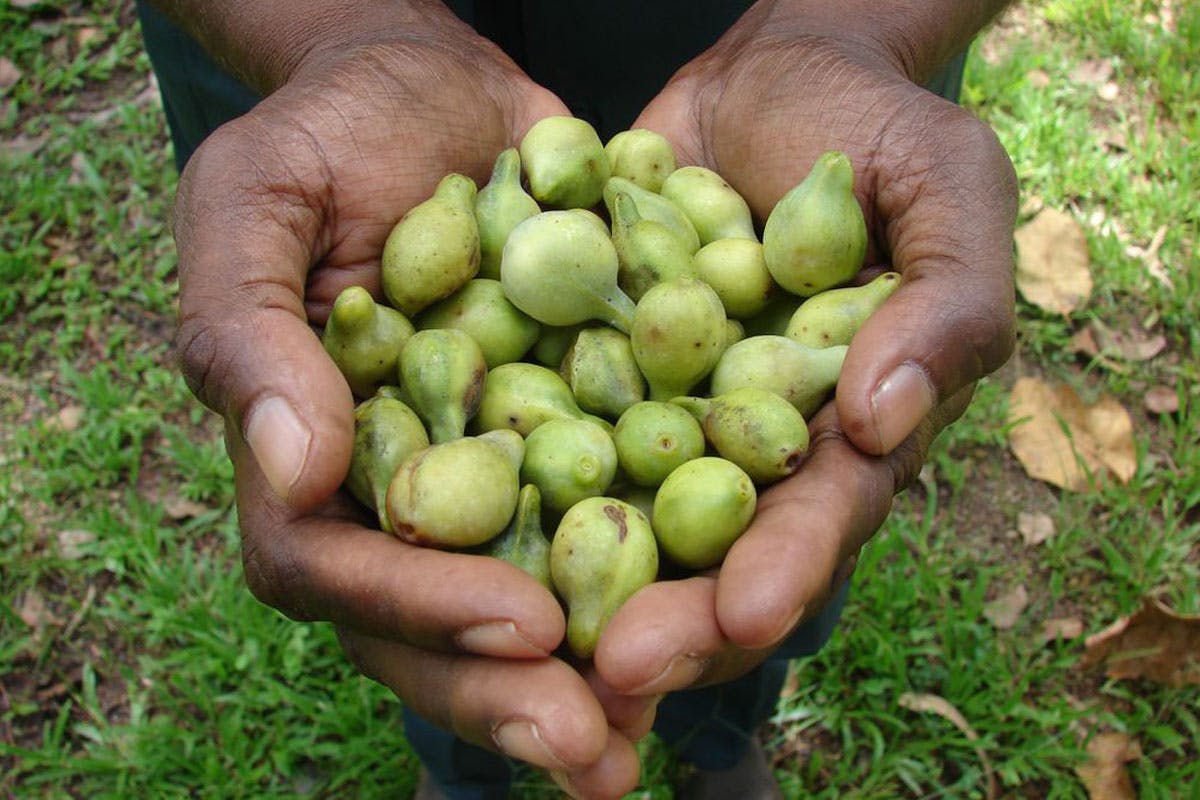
(499, 206)
(434, 248)
(737, 272)
(834, 316)
(568, 460)
(651, 205)
(503, 332)
(560, 268)
(553, 344)
(754, 428)
(364, 339)
(602, 372)
(701, 509)
(565, 162)
(442, 371)
(521, 396)
(816, 236)
(386, 431)
(715, 208)
(522, 543)
(652, 438)
(455, 494)
(602, 552)
(677, 336)
(648, 252)
(642, 156)
(801, 375)
(735, 331)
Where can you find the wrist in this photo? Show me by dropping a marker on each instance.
(264, 44)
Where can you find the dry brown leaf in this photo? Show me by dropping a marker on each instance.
(1135, 344)
(1005, 610)
(1084, 341)
(1161, 400)
(10, 73)
(1053, 268)
(1035, 527)
(1052, 430)
(179, 507)
(1061, 628)
(67, 419)
(1094, 70)
(1104, 774)
(34, 611)
(71, 543)
(1154, 642)
(936, 704)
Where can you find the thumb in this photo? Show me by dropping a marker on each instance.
(247, 230)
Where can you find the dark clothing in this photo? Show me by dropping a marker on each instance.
(605, 61)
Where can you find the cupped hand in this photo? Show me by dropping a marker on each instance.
(277, 212)
(939, 195)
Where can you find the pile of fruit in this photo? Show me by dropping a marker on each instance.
(598, 345)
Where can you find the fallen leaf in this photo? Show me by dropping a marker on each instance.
(34, 611)
(1053, 269)
(67, 419)
(10, 73)
(936, 704)
(71, 543)
(1061, 440)
(1131, 345)
(1161, 400)
(22, 145)
(1005, 610)
(179, 507)
(1035, 527)
(1057, 628)
(1094, 70)
(1154, 642)
(1104, 774)
(1149, 256)
(1084, 341)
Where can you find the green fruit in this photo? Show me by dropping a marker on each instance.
(455, 494)
(802, 375)
(737, 272)
(602, 552)
(653, 438)
(602, 372)
(714, 207)
(441, 374)
(522, 543)
(648, 252)
(651, 205)
(816, 236)
(754, 428)
(364, 339)
(553, 344)
(386, 431)
(701, 509)
(569, 460)
(775, 315)
(642, 156)
(565, 162)
(499, 206)
(834, 316)
(434, 248)
(521, 396)
(678, 334)
(503, 332)
(560, 268)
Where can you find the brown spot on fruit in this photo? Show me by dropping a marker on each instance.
(617, 515)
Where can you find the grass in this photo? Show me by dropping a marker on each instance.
(133, 662)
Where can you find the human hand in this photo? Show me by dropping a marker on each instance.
(277, 212)
(939, 196)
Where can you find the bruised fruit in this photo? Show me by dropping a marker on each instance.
(653, 438)
(648, 252)
(386, 431)
(602, 552)
(602, 372)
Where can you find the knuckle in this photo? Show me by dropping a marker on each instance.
(274, 576)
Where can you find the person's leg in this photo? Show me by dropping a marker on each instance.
(461, 771)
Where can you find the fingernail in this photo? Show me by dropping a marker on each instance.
(522, 740)
(279, 440)
(680, 672)
(500, 639)
(564, 782)
(900, 401)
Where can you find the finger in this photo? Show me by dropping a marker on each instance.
(248, 227)
(949, 200)
(782, 569)
(538, 711)
(329, 567)
(613, 775)
(631, 715)
(666, 638)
